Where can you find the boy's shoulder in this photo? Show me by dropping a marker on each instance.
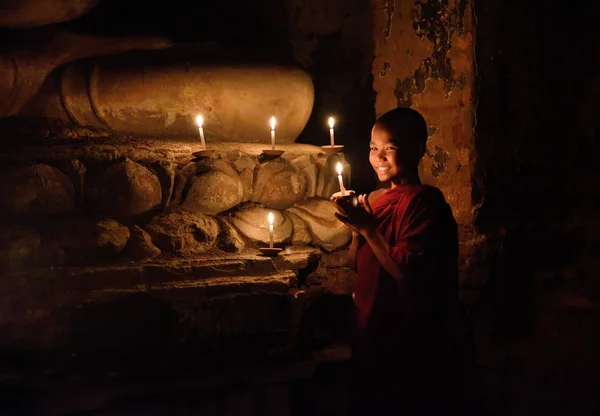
(376, 194)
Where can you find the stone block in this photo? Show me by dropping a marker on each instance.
(122, 188)
(279, 185)
(37, 190)
(252, 221)
(88, 240)
(23, 248)
(326, 230)
(214, 192)
(182, 232)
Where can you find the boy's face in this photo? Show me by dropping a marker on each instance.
(390, 158)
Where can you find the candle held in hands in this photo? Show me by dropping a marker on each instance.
(339, 171)
(331, 123)
(200, 122)
(271, 218)
(273, 133)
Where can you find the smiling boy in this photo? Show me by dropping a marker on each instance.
(404, 248)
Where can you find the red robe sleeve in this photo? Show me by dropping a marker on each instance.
(417, 232)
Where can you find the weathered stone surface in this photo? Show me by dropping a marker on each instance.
(435, 76)
(251, 220)
(23, 247)
(308, 165)
(183, 232)
(229, 239)
(247, 178)
(296, 258)
(85, 240)
(123, 188)
(327, 231)
(340, 280)
(24, 69)
(279, 185)
(165, 172)
(214, 192)
(35, 190)
(158, 94)
(31, 13)
(243, 162)
(300, 233)
(245, 166)
(338, 258)
(140, 245)
(75, 170)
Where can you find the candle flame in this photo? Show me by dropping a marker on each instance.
(271, 218)
(199, 120)
(331, 122)
(272, 123)
(339, 168)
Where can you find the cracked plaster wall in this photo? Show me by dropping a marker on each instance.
(424, 60)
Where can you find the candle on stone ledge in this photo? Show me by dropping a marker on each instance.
(272, 133)
(339, 171)
(271, 219)
(200, 122)
(331, 123)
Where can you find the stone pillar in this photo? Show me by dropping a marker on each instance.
(424, 60)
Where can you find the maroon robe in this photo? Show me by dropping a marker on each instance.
(402, 319)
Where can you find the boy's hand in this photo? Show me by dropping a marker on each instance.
(355, 212)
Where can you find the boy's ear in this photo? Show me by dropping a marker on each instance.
(421, 148)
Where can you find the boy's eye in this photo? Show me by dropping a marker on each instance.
(373, 148)
(390, 148)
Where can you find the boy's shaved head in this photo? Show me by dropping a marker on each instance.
(404, 123)
(406, 126)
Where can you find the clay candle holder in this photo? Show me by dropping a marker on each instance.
(270, 252)
(203, 153)
(272, 152)
(332, 150)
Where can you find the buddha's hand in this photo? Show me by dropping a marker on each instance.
(356, 213)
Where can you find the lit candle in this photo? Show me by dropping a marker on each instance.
(272, 133)
(331, 123)
(339, 171)
(271, 218)
(199, 122)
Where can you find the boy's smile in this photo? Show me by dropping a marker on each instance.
(383, 155)
(389, 159)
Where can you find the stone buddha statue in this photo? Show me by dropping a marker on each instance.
(150, 90)
(113, 206)
(143, 87)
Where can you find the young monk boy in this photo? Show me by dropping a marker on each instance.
(404, 248)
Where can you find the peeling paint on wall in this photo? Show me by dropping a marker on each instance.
(427, 63)
(437, 22)
(440, 158)
(389, 7)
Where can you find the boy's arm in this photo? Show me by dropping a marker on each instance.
(420, 236)
(357, 241)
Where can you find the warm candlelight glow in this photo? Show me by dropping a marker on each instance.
(272, 133)
(200, 122)
(340, 179)
(331, 139)
(271, 218)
